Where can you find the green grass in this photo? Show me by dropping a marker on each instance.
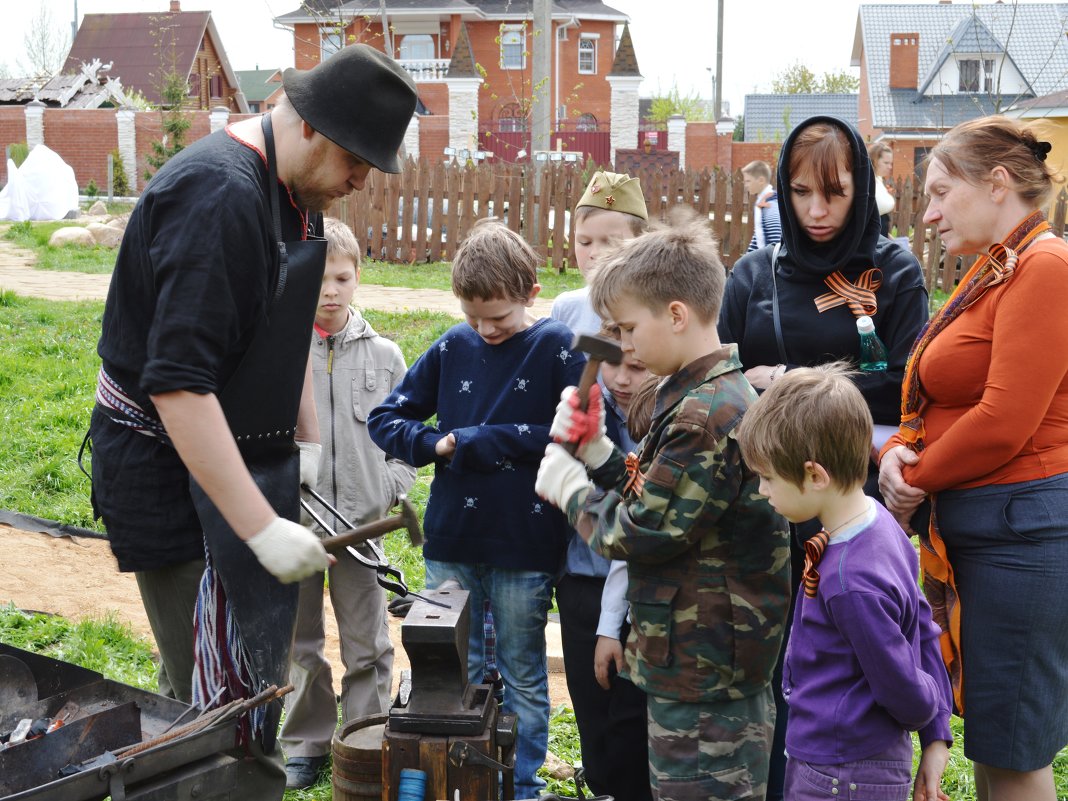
(436, 276)
(48, 367)
(104, 645)
(34, 236)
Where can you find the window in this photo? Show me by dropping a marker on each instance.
(976, 75)
(587, 56)
(253, 107)
(586, 122)
(513, 47)
(331, 43)
(417, 47)
(194, 84)
(510, 119)
(919, 159)
(216, 86)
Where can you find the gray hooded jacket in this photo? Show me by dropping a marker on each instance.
(353, 371)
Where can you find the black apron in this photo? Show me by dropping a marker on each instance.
(261, 401)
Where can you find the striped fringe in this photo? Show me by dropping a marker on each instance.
(124, 410)
(223, 672)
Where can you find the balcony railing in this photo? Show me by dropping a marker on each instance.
(425, 69)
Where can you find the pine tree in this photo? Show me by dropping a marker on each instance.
(174, 122)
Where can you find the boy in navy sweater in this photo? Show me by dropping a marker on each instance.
(863, 666)
(493, 383)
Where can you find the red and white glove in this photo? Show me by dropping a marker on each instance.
(585, 429)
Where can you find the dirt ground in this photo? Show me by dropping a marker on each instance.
(76, 577)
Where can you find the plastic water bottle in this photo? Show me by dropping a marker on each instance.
(872, 349)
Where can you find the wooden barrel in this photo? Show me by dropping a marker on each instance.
(357, 759)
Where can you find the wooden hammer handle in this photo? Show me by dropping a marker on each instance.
(360, 534)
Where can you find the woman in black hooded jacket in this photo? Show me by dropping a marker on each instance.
(831, 239)
(809, 336)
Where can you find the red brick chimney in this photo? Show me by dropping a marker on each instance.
(176, 6)
(904, 60)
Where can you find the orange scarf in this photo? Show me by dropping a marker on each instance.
(939, 584)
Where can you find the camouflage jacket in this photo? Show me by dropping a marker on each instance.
(707, 556)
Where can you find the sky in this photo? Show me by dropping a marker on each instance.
(675, 40)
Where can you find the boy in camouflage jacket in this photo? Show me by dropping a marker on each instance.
(707, 555)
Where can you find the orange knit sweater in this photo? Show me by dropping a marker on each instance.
(996, 382)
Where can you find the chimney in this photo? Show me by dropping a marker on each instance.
(176, 6)
(904, 60)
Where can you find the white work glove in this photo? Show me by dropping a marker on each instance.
(310, 453)
(560, 476)
(585, 429)
(289, 551)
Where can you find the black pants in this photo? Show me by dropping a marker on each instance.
(612, 723)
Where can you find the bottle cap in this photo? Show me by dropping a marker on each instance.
(865, 324)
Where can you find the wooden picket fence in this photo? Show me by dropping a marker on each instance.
(424, 212)
(940, 270)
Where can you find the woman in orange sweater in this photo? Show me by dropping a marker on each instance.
(984, 436)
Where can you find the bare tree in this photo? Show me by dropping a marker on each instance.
(46, 44)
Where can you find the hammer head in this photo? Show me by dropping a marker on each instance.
(411, 520)
(597, 348)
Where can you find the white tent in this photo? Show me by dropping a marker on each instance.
(43, 188)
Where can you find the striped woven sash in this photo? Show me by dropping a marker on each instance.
(859, 297)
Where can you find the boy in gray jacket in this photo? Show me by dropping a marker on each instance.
(354, 369)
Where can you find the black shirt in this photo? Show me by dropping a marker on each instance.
(194, 274)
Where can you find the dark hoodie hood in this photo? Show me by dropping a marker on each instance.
(853, 250)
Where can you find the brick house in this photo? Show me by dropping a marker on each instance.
(261, 88)
(143, 47)
(926, 68)
(501, 35)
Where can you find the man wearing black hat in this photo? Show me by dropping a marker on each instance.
(204, 425)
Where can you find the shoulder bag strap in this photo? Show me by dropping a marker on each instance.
(775, 304)
(272, 193)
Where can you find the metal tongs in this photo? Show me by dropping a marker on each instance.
(356, 539)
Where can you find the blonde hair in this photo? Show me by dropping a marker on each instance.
(679, 261)
(971, 150)
(494, 262)
(340, 241)
(810, 414)
(758, 168)
(876, 150)
(637, 224)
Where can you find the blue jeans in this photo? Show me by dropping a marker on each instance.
(520, 601)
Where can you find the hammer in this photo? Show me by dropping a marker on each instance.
(368, 531)
(597, 349)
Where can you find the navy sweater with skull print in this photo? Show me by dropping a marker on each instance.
(499, 402)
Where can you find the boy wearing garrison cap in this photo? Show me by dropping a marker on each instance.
(204, 425)
(593, 611)
(610, 210)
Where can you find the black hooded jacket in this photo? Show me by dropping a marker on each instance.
(812, 338)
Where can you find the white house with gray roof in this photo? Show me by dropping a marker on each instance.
(926, 68)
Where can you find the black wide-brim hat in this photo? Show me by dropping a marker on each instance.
(360, 99)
